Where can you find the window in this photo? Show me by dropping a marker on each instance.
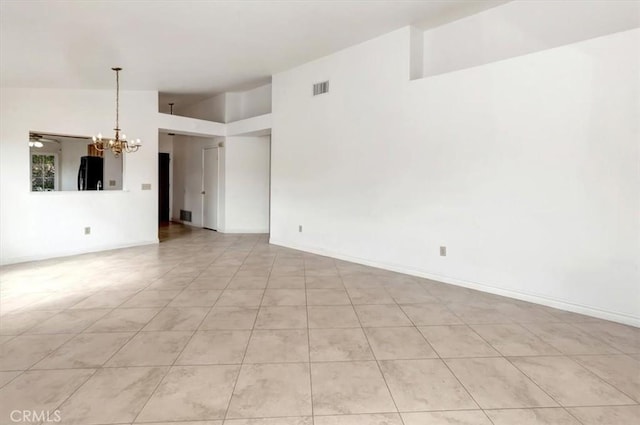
(43, 172)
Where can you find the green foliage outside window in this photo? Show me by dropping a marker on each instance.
(43, 172)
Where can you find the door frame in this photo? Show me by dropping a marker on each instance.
(202, 192)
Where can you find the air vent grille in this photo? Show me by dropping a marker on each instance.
(320, 88)
(185, 215)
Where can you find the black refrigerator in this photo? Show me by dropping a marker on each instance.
(90, 174)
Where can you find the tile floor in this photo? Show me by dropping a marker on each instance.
(219, 329)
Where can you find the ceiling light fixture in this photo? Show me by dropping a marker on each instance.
(36, 144)
(119, 143)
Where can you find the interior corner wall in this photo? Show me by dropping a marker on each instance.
(26, 232)
(527, 170)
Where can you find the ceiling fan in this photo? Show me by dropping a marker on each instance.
(37, 140)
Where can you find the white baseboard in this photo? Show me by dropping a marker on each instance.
(534, 298)
(68, 253)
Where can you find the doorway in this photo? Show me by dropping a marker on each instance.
(163, 188)
(210, 188)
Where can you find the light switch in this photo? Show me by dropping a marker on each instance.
(146, 186)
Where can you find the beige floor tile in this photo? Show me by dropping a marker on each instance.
(282, 317)
(618, 415)
(623, 372)
(271, 390)
(278, 346)
(215, 347)
(430, 314)
(171, 283)
(621, 337)
(230, 318)
(399, 343)
(514, 340)
(240, 297)
(17, 323)
(24, 351)
(569, 339)
(104, 299)
(86, 350)
(418, 385)
(495, 383)
(112, 395)
(327, 297)
(348, 388)
(251, 282)
(329, 345)
(190, 393)
(370, 296)
(8, 376)
(124, 320)
(39, 391)
(332, 317)
(286, 282)
(457, 341)
(151, 349)
(210, 282)
(569, 383)
(150, 298)
(177, 319)
(320, 282)
(270, 421)
(197, 298)
(69, 321)
(467, 417)
(284, 297)
(371, 419)
(548, 416)
(382, 315)
(410, 296)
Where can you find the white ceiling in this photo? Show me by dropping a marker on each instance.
(192, 47)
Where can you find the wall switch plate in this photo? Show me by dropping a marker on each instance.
(146, 186)
(300, 228)
(443, 251)
(87, 230)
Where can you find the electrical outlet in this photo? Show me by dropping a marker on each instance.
(443, 251)
(112, 182)
(300, 228)
(146, 186)
(87, 230)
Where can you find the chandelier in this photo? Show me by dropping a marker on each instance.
(119, 143)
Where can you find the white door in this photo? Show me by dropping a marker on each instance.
(210, 188)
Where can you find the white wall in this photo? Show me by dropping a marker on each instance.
(521, 27)
(230, 107)
(24, 233)
(248, 104)
(70, 153)
(211, 109)
(247, 162)
(526, 169)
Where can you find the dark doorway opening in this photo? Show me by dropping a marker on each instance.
(163, 188)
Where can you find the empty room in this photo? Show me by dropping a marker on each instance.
(320, 212)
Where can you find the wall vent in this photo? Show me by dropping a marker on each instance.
(185, 215)
(320, 88)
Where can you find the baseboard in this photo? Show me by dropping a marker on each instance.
(524, 296)
(68, 253)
